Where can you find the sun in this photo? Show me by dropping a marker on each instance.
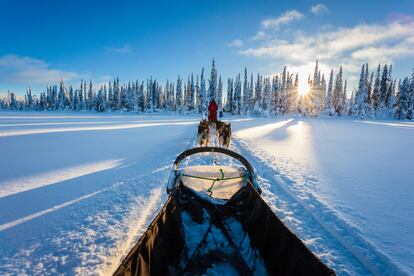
(303, 88)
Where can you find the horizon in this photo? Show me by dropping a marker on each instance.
(181, 38)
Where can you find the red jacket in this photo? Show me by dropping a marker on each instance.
(212, 111)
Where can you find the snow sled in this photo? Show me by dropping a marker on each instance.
(216, 222)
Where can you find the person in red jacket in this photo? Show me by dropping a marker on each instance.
(212, 111)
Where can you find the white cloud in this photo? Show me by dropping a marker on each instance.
(124, 49)
(237, 43)
(284, 19)
(363, 41)
(261, 35)
(346, 46)
(319, 9)
(16, 69)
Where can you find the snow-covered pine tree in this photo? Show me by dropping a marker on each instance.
(13, 105)
(150, 96)
(351, 104)
(167, 96)
(28, 100)
(292, 99)
(75, 103)
(220, 94)
(246, 91)
(361, 96)
(197, 95)
(173, 96)
(61, 96)
(322, 94)
(251, 94)
(383, 89)
(329, 107)
(186, 86)
(275, 94)
(178, 95)
(117, 95)
(344, 100)
(190, 94)
(410, 111)
(81, 98)
(289, 93)
(203, 96)
(337, 92)
(55, 97)
(403, 102)
(392, 100)
(389, 89)
(156, 95)
(91, 97)
(376, 92)
(370, 88)
(100, 101)
(229, 103)
(141, 98)
(110, 96)
(258, 96)
(267, 103)
(161, 94)
(126, 95)
(282, 92)
(70, 97)
(237, 96)
(212, 90)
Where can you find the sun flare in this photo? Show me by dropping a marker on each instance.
(303, 88)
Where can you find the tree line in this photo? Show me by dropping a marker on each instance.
(378, 95)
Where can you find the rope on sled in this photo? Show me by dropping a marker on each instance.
(214, 180)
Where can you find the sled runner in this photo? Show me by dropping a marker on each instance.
(216, 222)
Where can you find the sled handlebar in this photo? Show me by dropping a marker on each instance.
(250, 170)
(224, 151)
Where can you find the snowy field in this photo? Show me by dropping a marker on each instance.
(78, 190)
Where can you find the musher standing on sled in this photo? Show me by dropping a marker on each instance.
(212, 111)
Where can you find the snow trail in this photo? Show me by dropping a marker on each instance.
(335, 241)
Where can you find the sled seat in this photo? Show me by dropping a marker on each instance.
(227, 180)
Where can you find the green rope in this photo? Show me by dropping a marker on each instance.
(209, 190)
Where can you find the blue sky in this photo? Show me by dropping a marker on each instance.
(42, 42)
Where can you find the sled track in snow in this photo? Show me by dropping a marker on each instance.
(156, 201)
(337, 243)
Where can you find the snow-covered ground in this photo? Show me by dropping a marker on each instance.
(77, 190)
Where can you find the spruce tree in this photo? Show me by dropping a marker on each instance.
(389, 88)
(190, 94)
(402, 108)
(229, 103)
(203, 96)
(237, 96)
(267, 103)
(258, 94)
(384, 86)
(337, 92)
(361, 96)
(178, 94)
(220, 94)
(376, 92)
(246, 96)
(330, 110)
(213, 83)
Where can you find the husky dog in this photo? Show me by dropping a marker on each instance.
(203, 133)
(224, 134)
